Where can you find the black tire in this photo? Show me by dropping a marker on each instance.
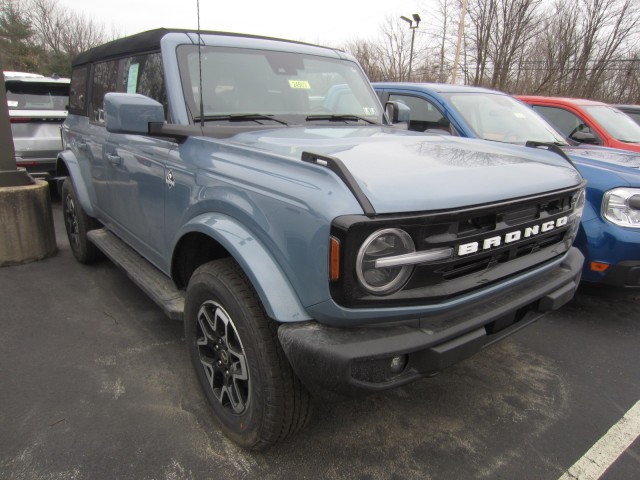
(78, 223)
(242, 369)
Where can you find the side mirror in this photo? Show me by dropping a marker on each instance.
(131, 113)
(585, 137)
(398, 113)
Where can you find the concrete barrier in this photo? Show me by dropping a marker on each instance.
(26, 224)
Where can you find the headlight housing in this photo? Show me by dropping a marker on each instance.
(621, 206)
(388, 242)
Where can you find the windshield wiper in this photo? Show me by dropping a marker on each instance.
(242, 117)
(340, 118)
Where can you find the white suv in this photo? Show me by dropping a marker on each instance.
(37, 108)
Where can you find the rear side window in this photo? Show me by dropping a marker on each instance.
(78, 91)
(105, 76)
(36, 95)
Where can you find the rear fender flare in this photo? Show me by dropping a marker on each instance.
(71, 164)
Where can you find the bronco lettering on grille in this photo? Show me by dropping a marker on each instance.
(510, 237)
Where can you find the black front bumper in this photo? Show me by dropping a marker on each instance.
(624, 274)
(337, 363)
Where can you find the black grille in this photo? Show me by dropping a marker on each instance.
(435, 282)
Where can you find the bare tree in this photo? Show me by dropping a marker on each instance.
(444, 21)
(482, 14)
(64, 33)
(394, 49)
(366, 52)
(515, 25)
(590, 54)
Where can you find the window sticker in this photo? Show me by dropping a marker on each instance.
(369, 111)
(132, 81)
(12, 103)
(300, 84)
(519, 115)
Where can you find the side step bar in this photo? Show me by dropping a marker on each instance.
(154, 283)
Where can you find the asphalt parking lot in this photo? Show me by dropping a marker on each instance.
(95, 383)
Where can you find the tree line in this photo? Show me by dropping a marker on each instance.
(582, 48)
(41, 36)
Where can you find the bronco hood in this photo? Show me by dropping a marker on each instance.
(402, 171)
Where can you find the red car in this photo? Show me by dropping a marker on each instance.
(588, 121)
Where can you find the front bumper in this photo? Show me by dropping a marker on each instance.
(336, 363)
(605, 243)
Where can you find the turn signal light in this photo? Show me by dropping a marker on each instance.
(599, 266)
(334, 259)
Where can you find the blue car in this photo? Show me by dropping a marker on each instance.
(609, 236)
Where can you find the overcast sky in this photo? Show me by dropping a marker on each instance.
(331, 22)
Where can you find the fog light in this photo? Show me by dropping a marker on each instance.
(398, 363)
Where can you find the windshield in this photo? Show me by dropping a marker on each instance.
(618, 124)
(237, 82)
(36, 95)
(502, 118)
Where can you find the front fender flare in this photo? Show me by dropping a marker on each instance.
(274, 289)
(71, 163)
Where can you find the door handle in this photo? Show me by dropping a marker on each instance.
(114, 159)
(82, 146)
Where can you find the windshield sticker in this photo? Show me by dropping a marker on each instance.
(519, 115)
(12, 103)
(300, 84)
(132, 81)
(369, 111)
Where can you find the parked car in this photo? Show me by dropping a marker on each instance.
(588, 121)
(37, 108)
(609, 236)
(632, 110)
(253, 187)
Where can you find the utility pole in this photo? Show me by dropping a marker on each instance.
(416, 18)
(463, 13)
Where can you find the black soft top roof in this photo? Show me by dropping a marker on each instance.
(138, 43)
(148, 41)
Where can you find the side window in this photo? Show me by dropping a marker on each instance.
(424, 114)
(78, 90)
(143, 74)
(104, 81)
(560, 118)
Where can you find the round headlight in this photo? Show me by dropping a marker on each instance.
(389, 242)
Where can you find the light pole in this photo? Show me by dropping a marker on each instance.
(416, 18)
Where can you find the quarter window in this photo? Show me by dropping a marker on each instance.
(104, 81)
(78, 90)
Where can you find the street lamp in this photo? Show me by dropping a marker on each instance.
(416, 18)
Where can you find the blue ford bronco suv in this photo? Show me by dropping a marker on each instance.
(256, 189)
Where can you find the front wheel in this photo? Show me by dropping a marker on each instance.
(255, 396)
